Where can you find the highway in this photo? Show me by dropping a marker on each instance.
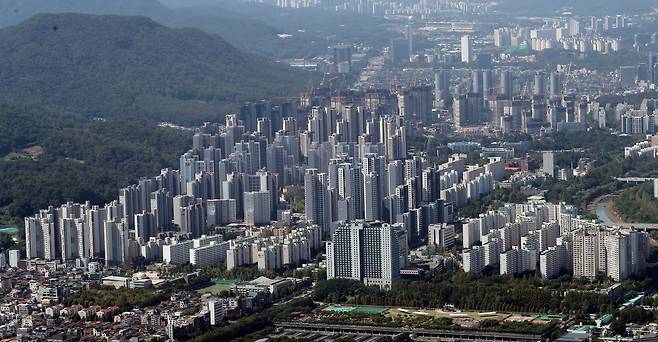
(418, 334)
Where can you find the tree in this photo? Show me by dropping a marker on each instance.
(618, 327)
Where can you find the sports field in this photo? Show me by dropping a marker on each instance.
(402, 312)
(218, 286)
(368, 310)
(397, 312)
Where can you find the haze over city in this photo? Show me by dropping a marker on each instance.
(328, 170)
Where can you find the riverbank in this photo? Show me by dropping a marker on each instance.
(604, 209)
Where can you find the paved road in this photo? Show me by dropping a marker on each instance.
(421, 334)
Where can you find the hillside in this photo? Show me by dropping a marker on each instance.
(254, 35)
(252, 27)
(13, 12)
(131, 65)
(49, 158)
(637, 204)
(312, 30)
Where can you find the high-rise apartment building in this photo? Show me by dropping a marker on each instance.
(257, 207)
(317, 199)
(548, 165)
(368, 252)
(466, 49)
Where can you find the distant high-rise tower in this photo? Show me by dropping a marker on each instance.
(488, 85)
(548, 165)
(540, 85)
(574, 27)
(416, 102)
(399, 50)
(653, 68)
(441, 85)
(467, 49)
(502, 37)
(342, 54)
(555, 86)
(460, 111)
(506, 87)
(477, 82)
(409, 34)
(606, 23)
(620, 21)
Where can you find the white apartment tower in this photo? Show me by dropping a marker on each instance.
(368, 252)
(466, 49)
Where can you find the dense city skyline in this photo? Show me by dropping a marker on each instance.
(462, 170)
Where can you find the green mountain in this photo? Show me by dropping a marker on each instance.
(252, 27)
(100, 65)
(311, 30)
(243, 31)
(13, 12)
(49, 158)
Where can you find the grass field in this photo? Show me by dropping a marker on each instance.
(218, 286)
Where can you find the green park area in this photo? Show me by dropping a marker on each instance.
(427, 318)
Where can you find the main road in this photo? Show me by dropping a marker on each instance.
(419, 334)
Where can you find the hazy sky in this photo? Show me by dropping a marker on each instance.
(188, 3)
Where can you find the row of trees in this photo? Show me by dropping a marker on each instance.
(630, 315)
(124, 298)
(430, 322)
(240, 273)
(471, 292)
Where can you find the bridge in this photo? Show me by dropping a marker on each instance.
(422, 334)
(638, 226)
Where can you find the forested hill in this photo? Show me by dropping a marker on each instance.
(50, 158)
(13, 12)
(239, 30)
(103, 65)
